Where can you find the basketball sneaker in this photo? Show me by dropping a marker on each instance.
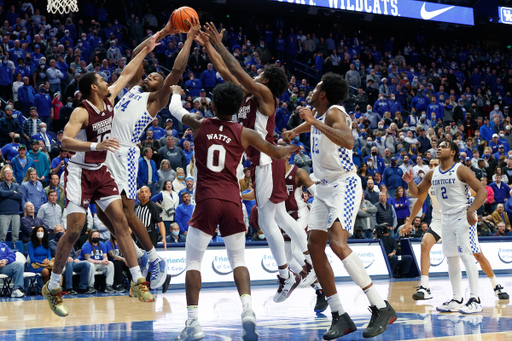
(55, 301)
(141, 291)
(450, 306)
(341, 325)
(473, 306)
(422, 294)
(143, 263)
(380, 320)
(321, 302)
(310, 277)
(286, 286)
(158, 269)
(500, 293)
(191, 332)
(249, 324)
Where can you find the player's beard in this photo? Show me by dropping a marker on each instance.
(144, 87)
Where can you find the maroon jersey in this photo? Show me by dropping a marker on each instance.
(218, 151)
(291, 187)
(250, 117)
(98, 129)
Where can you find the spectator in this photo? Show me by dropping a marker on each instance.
(44, 105)
(21, 163)
(119, 262)
(421, 231)
(364, 219)
(26, 94)
(95, 252)
(6, 77)
(28, 222)
(51, 212)
(179, 183)
(377, 163)
(39, 253)
(158, 132)
(184, 213)
(9, 126)
(168, 201)
(174, 154)
(499, 215)
(246, 180)
(501, 191)
(483, 228)
(54, 77)
(390, 247)
(392, 177)
(187, 150)
(302, 160)
(73, 265)
(208, 79)
(401, 205)
(31, 125)
(165, 173)
(57, 187)
(42, 165)
(10, 205)
(502, 230)
(420, 169)
(9, 266)
(175, 236)
(59, 163)
(43, 136)
(148, 173)
(386, 213)
(372, 192)
(189, 182)
(504, 177)
(149, 214)
(33, 190)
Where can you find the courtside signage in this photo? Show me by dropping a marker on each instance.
(398, 8)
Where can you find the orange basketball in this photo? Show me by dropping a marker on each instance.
(179, 17)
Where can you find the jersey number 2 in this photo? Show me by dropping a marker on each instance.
(221, 158)
(443, 193)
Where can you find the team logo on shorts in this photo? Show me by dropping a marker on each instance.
(459, 249)
(221, 266)
(505, 255)
(268, 263)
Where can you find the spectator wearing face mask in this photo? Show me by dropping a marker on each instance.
(381, 106)
(375, 161)
(486, 130)
(496, 113)
(44, 105)
(435, 109)
(175, 236)
(9, 126)
(373, 116)
(43, 136)
(447, 113)
(392, 178)
(394, 105)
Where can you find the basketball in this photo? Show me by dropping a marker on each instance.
(181, 18)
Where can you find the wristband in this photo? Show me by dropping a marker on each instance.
(93, 146)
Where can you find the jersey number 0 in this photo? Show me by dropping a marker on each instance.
(220, 160)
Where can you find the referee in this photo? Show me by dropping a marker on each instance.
(149, 213)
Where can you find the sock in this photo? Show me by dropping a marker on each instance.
(138, 251)
(472, 273)
(316, 286)
(424, 281)
(193, 312)
(152, 255)
(284, 273)
(246, 301)
(135, 271)
(455, 275)
(374, 297)
(494, 281)
(54, 281)
(335, 304)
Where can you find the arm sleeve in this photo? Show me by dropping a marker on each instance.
(176, 109)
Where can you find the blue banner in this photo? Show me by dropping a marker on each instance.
(397, 8)
(505, 15)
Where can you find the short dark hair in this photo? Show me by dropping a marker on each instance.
(85, 82)
(335, 87)
(52, 175)
(277, 80)
(51, 191)
(453, 146)
(227, 98)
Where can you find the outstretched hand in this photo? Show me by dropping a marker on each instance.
(195, 26)
(201, 38)
(213, 34)
(408, 177)
(109, 144)
(153, 42)
(176, 89)
(169, 29)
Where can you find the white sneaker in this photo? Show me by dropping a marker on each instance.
(310, 278)
(473, 306)
(451, 306)
(249, 324)
(191, 332)
(422, 294)
(17, 293)
(500, 293)
(286, 286)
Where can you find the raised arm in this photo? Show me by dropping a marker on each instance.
(422, 188)
(260, 91)
(251, 138)
(132, 67)
(190, 120)
(79, 118)
(159, 99)
(335, 126)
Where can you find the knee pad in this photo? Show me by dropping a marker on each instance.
(196, 244)
(235, 247)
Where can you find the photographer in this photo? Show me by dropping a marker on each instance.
(390, 247)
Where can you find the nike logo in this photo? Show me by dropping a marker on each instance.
(429, 15)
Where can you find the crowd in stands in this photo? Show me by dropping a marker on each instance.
(405, 97)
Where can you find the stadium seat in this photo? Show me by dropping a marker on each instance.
(6, 286)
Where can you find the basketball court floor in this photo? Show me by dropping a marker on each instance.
(120, 317)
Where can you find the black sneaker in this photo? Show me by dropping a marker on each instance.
(500, 293)
(109, 289)
(119, 288)
(165, 286)
(321, 302)
(380, 320)
(341, 325)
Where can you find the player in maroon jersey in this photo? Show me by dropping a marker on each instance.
(257, 112)
(219, 144)
(88, 180)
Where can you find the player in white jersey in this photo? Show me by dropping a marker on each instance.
(336, 204)
(134, 112)
(451, 182)
(433, 235)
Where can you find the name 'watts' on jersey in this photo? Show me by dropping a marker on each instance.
(102, 126)
(219, 137)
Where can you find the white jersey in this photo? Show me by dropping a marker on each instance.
(452, 194)
(436, 210)
(330, 161)
(130, 120)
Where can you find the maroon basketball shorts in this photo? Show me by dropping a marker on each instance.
(269, 182)
(212, 212)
